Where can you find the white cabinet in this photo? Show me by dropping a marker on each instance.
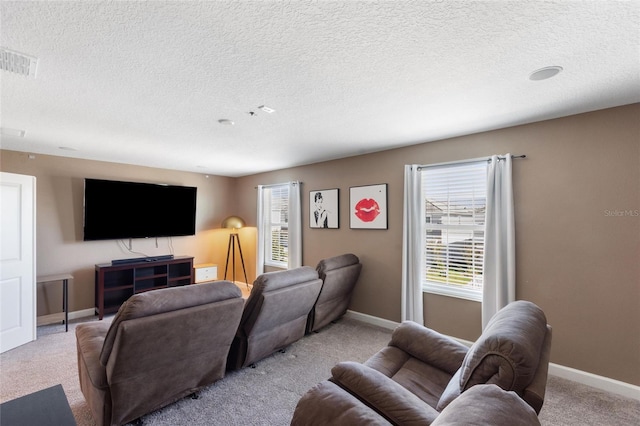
(205, 272)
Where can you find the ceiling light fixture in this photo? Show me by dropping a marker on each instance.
(18, 63)
(226, 122)
(544, 73)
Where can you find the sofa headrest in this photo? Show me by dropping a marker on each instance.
(509, 349)
(271, 281)
(286, 294)
(336, 262)
(167, 300)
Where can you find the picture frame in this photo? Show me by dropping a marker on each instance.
(324, 209)
(368, 207)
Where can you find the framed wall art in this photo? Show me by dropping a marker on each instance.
(368, 207)
(324, 209)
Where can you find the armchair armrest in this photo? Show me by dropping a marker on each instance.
(328, 404)
(488, 405)
(429, 346)
(89, 341)
(382, 394)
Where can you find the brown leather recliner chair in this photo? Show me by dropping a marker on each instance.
(161, 346)
(275, 314)
(339, 275)
(421, 372)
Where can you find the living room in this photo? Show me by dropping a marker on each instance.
(576, 257)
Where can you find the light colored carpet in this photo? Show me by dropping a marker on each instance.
(267, 394)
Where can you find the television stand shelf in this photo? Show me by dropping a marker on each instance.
(114, 284)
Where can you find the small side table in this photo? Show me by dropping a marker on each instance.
(64, 278)
(205, 272)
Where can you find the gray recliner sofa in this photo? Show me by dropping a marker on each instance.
(421, 372)
(339, 275)
(275, 314)
(161, 346)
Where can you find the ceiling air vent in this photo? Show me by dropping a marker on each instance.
(18, 63)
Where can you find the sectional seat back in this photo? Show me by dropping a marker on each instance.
(421, 372)
(275, 314)
(339, 275)
(161, 346)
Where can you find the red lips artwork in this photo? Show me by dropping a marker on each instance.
(367, 209)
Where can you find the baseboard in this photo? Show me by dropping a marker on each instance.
(53, 318)
(369, 319)
(599, 382)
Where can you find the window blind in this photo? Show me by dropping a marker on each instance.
(454, 218)
(279, 220)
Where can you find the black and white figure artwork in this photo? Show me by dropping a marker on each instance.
(323, 209)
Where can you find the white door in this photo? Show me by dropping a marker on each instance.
(17, 260)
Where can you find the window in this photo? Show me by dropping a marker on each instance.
(454, 210)
(276, 236)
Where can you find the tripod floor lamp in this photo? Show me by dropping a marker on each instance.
(234, 223)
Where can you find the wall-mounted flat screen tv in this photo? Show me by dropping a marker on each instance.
(121, 210)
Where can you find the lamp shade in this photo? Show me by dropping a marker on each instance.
(233, 222)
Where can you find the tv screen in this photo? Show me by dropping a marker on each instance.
(117, 210)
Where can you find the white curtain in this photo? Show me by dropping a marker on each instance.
(261, 227)
(295, 225)
(412, 253)
(499, 286)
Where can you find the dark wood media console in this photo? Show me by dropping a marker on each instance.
(114, 284)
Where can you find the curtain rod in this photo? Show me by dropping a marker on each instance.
(473, 160)
(295, 182)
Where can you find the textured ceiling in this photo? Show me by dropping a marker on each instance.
(145, 82)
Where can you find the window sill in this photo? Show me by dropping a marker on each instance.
(450, 291)
(281, 265)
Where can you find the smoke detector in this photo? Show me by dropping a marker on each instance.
(266, 109)
(18, 63)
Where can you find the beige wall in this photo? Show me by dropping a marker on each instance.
(59, 195)
(576, 259)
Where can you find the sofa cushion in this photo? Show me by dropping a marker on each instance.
(388, 360)
(167, 300)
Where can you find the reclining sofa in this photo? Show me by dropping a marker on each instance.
(275, 314)
(161, 346)
(339, 275)
(421, 372)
